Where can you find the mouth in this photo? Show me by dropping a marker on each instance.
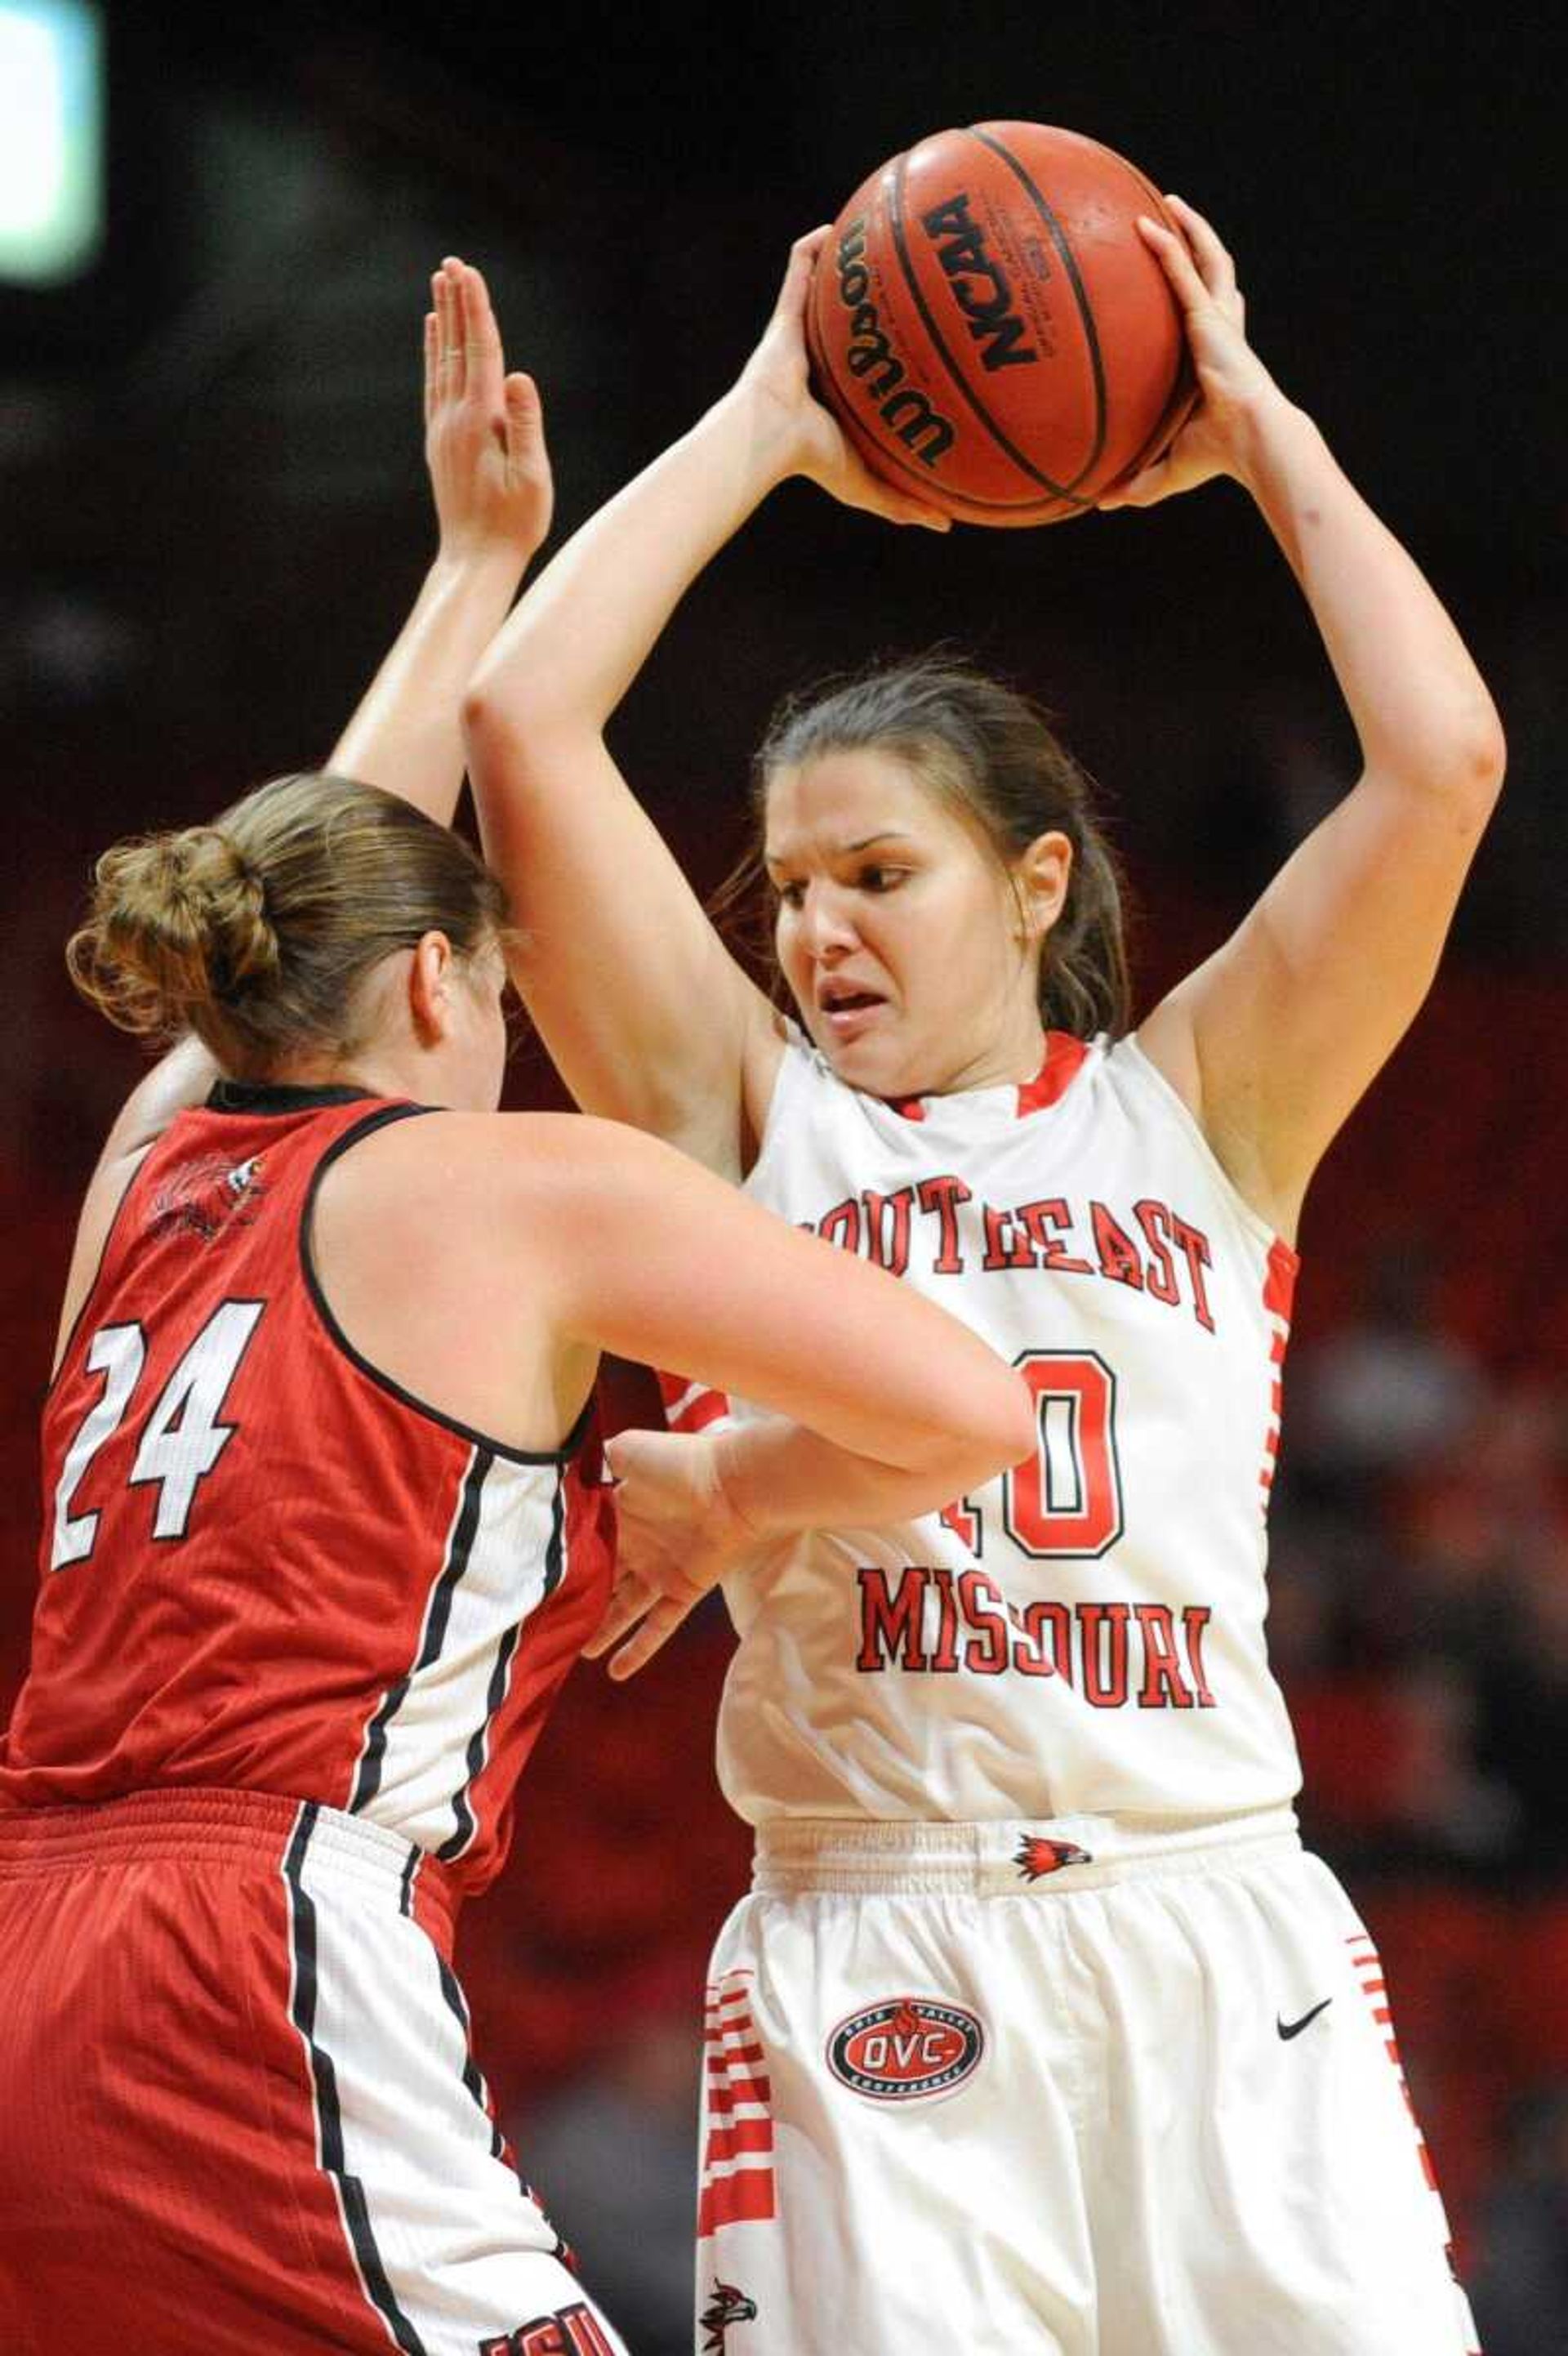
(846, 1009)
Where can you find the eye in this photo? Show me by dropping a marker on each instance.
(881, 878)
(789, 896)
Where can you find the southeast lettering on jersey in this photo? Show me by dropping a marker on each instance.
(931, 1622)
(1146, 1245)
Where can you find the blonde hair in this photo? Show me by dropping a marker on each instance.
(257, 931)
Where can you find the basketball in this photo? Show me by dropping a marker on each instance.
(989, 327)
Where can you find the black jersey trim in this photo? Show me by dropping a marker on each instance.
(472, 2077)
(324, 2081)
(382, 1117)
(277, 1097)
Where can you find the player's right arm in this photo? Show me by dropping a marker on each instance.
(645, 1014)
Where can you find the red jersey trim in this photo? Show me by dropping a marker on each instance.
(382, 1117)
(1061, 1064)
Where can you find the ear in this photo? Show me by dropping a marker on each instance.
(432, 973)
(1040, 878)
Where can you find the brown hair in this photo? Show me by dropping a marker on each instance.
(987, 754)
(256, 932)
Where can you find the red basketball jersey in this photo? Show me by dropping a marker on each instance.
(264, 1565)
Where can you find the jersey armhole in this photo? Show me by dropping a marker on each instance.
(95, 1281)
(383, 1118)
(1257, 1226)
(794, 1065)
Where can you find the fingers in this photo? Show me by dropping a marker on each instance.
(629, 1599)
(1143, 490)
(432, 363)
(482, 363)
(862, 489)
(651, 1637)
(1176, 258)
(467, 357)
(803, 254)
(1213, 258)
(449, 359)
(525, 423)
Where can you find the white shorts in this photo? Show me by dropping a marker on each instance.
(966, 2095)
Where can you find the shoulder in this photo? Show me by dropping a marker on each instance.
(487, 1164)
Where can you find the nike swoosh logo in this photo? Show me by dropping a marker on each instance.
(1293, 2028)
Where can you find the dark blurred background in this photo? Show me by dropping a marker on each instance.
(212, 516)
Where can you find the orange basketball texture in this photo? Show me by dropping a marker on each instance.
(991, 330)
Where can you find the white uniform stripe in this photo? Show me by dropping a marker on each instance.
(448, 2252)
(432, 1741)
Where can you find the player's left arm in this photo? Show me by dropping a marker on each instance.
(490, 476)
(490, 480)
(1275, 1038)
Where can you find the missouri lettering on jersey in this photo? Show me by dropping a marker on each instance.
(1084, 1635)
(425, 1588)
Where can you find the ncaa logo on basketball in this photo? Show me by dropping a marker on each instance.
(906, 2050)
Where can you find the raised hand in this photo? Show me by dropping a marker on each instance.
(484, 441)
(1234, 384)
(779, 374)
(678, 1534)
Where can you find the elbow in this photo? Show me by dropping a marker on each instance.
(1474, 764)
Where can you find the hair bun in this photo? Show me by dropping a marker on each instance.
(178, 920)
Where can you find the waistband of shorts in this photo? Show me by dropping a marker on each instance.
(1049, 1858)
(207, 1826)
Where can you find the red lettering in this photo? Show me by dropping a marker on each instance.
(962, 1518)
(841, 1225)
(1004, 1247)
(980, 1600)
(944, 1660)
(1195, 1620)
(1160, 1278)
(1103, 1629)
(1120, 1259)
(887, 1228)
(942, 1196)
(544, 2338)
(1163, 1686)
(1037, 1618)
(891, 1622)
(1045, 1223)
(1195, 1246)
(586, 2336)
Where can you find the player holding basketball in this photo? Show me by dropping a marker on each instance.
(324, 1529)
(1039, 2030)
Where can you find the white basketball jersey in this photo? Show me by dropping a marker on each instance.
(1085, 1634)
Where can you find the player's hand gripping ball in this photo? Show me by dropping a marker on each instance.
(990, 328)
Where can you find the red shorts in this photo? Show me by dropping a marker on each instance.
(238, 2108)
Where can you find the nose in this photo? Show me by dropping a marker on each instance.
(826, 924)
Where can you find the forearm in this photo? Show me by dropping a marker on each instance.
(406, 734)
(778, 1478)
(588, 623)
(1420, 707)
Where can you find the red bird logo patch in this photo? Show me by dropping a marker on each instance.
(1035, 1856)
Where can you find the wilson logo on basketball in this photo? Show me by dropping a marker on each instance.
(871, 357)
(905, 2049)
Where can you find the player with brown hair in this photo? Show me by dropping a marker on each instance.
(1037, 2028)
(326, 1527)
